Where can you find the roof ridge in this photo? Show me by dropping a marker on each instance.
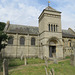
(23, 25)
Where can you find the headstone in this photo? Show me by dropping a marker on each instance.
(46, 62)
(25, 60)
(22, 56)
(52, 70)
(0, 56)
(54, 58)
(50, 73)
(5, 67)
(72, 58)
(74, 55)
(46, 71)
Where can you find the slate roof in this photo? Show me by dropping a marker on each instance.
(23, 29)
(34, 30)
(51, 9)
(67, 33)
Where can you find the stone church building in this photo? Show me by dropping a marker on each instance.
(40, 41)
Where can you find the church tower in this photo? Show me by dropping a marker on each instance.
(50, 33)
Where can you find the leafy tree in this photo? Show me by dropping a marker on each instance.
(3, 36)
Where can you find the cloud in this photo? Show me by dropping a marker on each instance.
(26, 12)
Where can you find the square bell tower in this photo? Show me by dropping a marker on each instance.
(50, 33)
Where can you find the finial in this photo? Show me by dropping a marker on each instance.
(8, 22)
(48, 3)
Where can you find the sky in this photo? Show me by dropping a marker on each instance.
(26, 12)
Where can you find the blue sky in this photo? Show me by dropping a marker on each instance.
(26, 12)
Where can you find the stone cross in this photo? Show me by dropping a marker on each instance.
(5, 67)
(46, 71)
(55, 59)
(25, 60)
(46, 62)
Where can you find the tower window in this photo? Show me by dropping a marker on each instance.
(54, 28)
(49, 27)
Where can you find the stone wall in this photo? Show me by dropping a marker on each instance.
(16, 50)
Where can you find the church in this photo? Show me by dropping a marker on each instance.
(41, 41)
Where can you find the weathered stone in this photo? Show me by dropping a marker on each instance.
(25, 61)
(50, 73)
(46, 71)
(52, 70)
(74, 55)
(22, 57)
(55, 59)
(0, 55)
(5, 67)
(46, 62)
(72, 58)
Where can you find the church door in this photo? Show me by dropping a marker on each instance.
(52, 49)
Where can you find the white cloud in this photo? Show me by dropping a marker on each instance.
(26, 12)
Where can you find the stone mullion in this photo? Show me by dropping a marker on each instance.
(50, 27)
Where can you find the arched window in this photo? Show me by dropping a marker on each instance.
(32, 41)
(10, 40)
(54, 28)
(69, 43)
(22, 41)
(49, 27)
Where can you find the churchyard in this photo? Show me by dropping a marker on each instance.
(37, 66)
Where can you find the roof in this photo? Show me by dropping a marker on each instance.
(51, 9)
(68, 33)
(35, 30)
(23, 29)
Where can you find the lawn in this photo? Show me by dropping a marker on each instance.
(35, 67)
(62, 68)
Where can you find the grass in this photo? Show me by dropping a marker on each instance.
(67, 57)
(15, 62)
(34, 61)
(18, 62)
(62, 68)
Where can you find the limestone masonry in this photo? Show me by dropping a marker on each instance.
(42, 41)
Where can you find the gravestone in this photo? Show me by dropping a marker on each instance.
(5, 67)
(52, 70)
(0, 56)
(25, 61)
(54, 58)
(72, 58)
(46, 71)
(46, 61)
(74, 55)
(22, 57)
(50, 73)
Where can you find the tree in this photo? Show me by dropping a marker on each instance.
(3, 36)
